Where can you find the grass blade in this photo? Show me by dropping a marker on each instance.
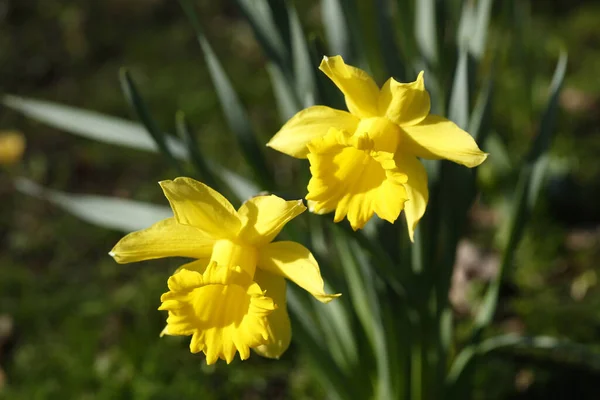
(258, 13)
(202, 168)
(91, 125)
(137, 104)
(107, 212)
(235, 114)
(304, 69)
(387, 37)
(523, 201)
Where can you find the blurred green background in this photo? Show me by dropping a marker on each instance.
(74, 324)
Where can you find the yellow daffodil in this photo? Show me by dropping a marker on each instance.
(12, 145)
(232, 297)
(365, 161)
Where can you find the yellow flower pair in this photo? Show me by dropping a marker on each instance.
(232, 297)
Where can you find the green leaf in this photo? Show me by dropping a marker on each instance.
(235, 114)
(91, 125)
(362, 286)
(542, 349)
(202, 167)
(528, 187)
(387, 37)
(116, 131)
(304, 69)
(337, 31)
(139, 107)
(107, 212)
(259, 15)
(426, 30)
(458, 110)
(473, 27)
(287, 101)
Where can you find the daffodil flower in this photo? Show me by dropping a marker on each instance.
(232, 297)
(365, 161)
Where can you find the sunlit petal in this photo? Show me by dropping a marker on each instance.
(166, 238)
(223, 310)
(263, 217)
(295, 262)
(416, 188)
(279, 327)
(436, 137)
(196, 204)
(360, 90)
(308, 124)
(404, 103)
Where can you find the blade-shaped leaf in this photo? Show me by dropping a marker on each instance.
(426, 30)
(108, 212)
(527, 190)
(258, 13)
(234, 112)
(387, 37)
(139, 107)
(304, 69)
(91, 125)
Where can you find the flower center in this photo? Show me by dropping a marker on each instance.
(384, 134)
(231, 254)
(219, 305)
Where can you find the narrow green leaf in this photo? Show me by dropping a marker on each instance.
(116, 131)
(107, 212)
(528, 187)
(480, 116)
(426, 30)
(542, 349)
(458, 110)
(235, 113)
(258, 13)
(337, 31)
(137, 104)
(473, 27)
(387, 37)
(363, 293)
(185, 133)
(285, 96)
(304, 69)
(91, 125)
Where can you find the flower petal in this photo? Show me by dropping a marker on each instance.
(354, 181)
(360, 90)
(166, 238)
(404, 103)
(416, 189)
(196, 204)
(223, 310)
(436, 137)
(279, 327)
(308, 124)
(263, 217)
(296, 263)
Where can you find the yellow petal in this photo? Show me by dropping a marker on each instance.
(166, 238)
(352, 179)
(223, 310)
(263, 217)
(436, 137)
(196, 204)
(279, 328)
(308, 124)
(405, 103)
(360, 90)
(296, 263)
(416, 189)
